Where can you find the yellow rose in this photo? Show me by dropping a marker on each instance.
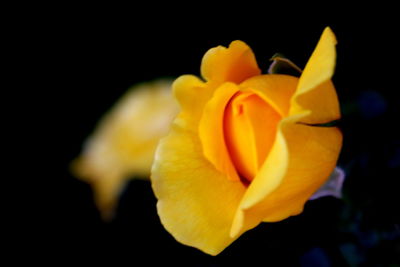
(245, 148)
(125, 141)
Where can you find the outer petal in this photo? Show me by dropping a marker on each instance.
(280, 190)
(196, 203)
(311, 154)
(125, 141)
(211, 131)
(192, 95)
(233, 64)
(315, 91)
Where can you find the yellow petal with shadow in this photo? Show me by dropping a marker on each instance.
(211, 130)
(196, 202)
(305, 158)
(250, 125)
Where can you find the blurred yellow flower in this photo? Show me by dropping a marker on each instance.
(245, 148)
(124, 143)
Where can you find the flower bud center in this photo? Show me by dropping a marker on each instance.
(250, 125)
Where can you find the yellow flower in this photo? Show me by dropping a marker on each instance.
(125, 141)
(245, 148)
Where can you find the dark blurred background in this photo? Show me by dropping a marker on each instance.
(92, 57)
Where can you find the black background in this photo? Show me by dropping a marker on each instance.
(91, 57)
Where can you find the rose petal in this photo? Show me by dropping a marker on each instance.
(233, 64)
(211, 131)
(332, 187)
(196, 203)
(276, 89)
(315, 91)
(192, 95)
(250, 125)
